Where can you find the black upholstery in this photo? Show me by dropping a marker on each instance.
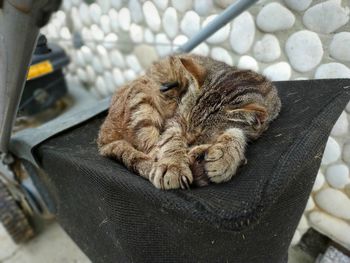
(116, 216)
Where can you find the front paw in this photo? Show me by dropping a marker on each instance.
(171, 175)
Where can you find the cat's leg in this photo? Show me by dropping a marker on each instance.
(222, 158)
(171, 169)
(133, 159)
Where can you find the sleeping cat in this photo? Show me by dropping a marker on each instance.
(187, 121)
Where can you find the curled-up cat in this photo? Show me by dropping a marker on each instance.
(187, 121)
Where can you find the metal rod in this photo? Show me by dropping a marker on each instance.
(221, 20)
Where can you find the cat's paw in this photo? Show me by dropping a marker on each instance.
(171, 175)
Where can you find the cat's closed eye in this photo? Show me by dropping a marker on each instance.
(168, 86)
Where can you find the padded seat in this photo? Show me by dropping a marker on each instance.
(117, 216)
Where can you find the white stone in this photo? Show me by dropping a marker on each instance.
(104, 5)
(151, 15)
(274, 17)
(118, 77)
(334, 202)
(65, 33)
(332, 71)
(178, 41)
(340, 46)
(219, 36)
(224, 3)
(110, 41)
(203, 7)
(87, 54)
(304, 50)
(133, 63)
(334, 228)
(337, 175)
(326, 17)
(341, 126)
(298, 5)
(136, 11)
(247, 62)
(303, 225)
(117, 4)
(117, 59)
(129, 75)
(221, 54)
(243, 32)
(104, 57)
(77, 22)
(97, 33)
(182, 5)
(124, 19)
(101, 86)
(95, 12)
(319, 181)
(149, 36)
(84, 14)
(108, 78)
(202, 49)
(79, 58)
(278, 71)
(146, 55)
(82, 75)
(162, 4)
(113, 20)
(163, 45)
(136, 33)
(310, 204)
(346, 152)
(170, 22)
(331, 152)
(267, 49)
(190, 23)
(90, 73)
(97, 65)
(105, 24)
(296, 238)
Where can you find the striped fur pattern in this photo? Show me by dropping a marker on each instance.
(194, 133)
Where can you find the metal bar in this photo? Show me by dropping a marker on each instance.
(221, 20)
(19, 27)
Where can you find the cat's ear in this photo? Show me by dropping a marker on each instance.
(197, 71)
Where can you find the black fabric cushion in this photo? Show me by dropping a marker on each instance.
(116, 216)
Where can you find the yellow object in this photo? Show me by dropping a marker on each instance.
(39, 69)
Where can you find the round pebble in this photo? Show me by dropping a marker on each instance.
(136, 33)
(97, 65)
(133, 63)
(340, 46)
(247, 62)
(341, 126)
(274, 17)
(319, 182)
(95, 12)
(243, 32)
(219, 36)
(203, 7)
(90, 73)
(221, 54)
(163, 45)
(304, 50)
(105, 5)
(303, 225)
(84, 14)
(110, 41)
(333, 227)
(124, 19)
(333, 202)
(202, 49)
(116, 3)
(118, 77)
(105, 24)
(108, 78)
(267, 49)
(148, 36)
(151, 15)
(326, 17)
(179, 41)
(146, 55)
(170, 22)
(190, 23)
(182, 5)
(129, 75)
(101, 86)
(104, 57)
(161, 4)
(298, 5)
(332, 71)
(296, 238)
(337, 175)
(136, 14)
(83, 77)
(331, 152)
(278, 71)
(117, 59)
(310, 204)
(113, 20)
(346, 152)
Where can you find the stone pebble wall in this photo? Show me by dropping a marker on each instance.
(289, 39)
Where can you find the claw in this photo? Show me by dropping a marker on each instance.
(185, 181)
